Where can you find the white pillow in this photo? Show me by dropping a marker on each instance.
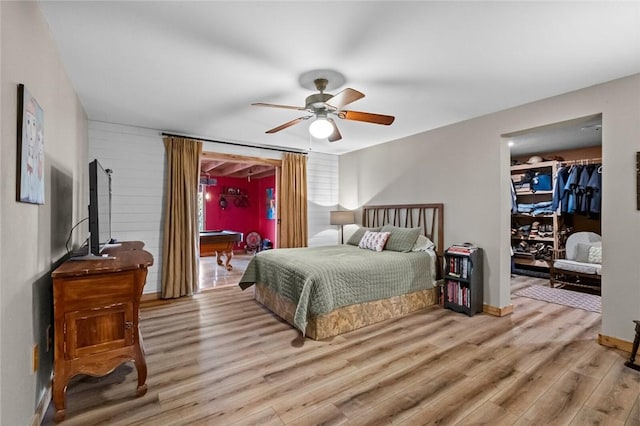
(582, 251)
(595, 254)
(374, 240)
(423, 244)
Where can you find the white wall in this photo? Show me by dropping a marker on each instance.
(466, 166)
(137, 158)
(1, 216)
(322, 177)
(33, 236)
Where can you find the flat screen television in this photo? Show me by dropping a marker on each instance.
(99, 207)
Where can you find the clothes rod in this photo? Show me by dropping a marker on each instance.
(237, 144)
(585, 162)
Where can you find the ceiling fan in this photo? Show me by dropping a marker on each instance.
(324, 105)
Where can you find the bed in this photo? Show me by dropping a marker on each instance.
(329, 290)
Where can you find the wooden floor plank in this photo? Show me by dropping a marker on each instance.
(489, 414)
(634, 415)
(219, 357)
(617, 393)
(325, 415)
(589, 416)
(561, 404)
(462, 398)
(266, 417)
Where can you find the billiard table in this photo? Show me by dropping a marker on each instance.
(218, 243)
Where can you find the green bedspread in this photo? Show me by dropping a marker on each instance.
(321, 279)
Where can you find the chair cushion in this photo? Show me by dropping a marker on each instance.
(595, 254)
(580, 267)
(582, 252)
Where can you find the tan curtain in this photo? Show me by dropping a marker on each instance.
(180, 240)
(293, 201)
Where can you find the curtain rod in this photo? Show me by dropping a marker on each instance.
(294, 151)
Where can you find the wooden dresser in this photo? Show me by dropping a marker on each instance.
(96, 304)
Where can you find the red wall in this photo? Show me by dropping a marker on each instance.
(267, 227)
(245, 219)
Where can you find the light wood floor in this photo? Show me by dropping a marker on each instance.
(221, 359)
(213, 275)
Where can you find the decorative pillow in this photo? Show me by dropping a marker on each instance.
(423, 244)
(374, 240)
(355, 238)
(401, 239)
(595, 254)
(582, 252)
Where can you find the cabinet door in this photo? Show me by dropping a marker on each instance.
(93, 331)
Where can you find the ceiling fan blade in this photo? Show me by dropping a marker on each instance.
(288, 124)
(335, 136)
(367, 116)
(278, 106)
(344, 98)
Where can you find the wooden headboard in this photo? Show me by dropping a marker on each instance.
(428, 216)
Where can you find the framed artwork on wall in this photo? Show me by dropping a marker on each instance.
(30, 176)
(271, 204)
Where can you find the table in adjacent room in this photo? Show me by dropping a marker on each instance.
(218, 243)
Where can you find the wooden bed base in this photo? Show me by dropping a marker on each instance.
(352, 317)
(347, 318)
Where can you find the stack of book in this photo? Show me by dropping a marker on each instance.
(464, 248)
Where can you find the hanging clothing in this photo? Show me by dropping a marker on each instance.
(594, 191)
(560, 198)
(578, 189)
(570, 188)
(582, 203)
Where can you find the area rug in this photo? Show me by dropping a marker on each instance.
(574, 299)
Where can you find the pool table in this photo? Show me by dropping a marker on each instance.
(218, 243)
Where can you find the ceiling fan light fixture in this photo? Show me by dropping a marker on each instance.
(321, 128)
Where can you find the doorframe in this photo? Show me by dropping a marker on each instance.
(236, 158)
(506, 153)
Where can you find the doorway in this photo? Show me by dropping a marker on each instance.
(237, 196)
(541, 223)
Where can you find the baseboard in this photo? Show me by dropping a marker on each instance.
(614, 342)
(41, 409)
(148, 297)
(497, 312)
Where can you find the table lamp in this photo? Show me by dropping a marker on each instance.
(341, 217)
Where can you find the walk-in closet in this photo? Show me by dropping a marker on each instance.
(556, 193)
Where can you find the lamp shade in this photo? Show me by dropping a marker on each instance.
(341, 217)
(321, 128)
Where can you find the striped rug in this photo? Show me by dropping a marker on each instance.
(574, 299)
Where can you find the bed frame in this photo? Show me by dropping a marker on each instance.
(352, 317)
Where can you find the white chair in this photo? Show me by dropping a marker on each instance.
(579, 263)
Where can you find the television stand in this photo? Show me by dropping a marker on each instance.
(95, 309)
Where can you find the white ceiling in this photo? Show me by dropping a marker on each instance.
(566, 135)
(195, 67)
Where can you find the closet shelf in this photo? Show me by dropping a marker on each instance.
(540, 239)
(541, 165)
(531, 262)
(520, 219)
